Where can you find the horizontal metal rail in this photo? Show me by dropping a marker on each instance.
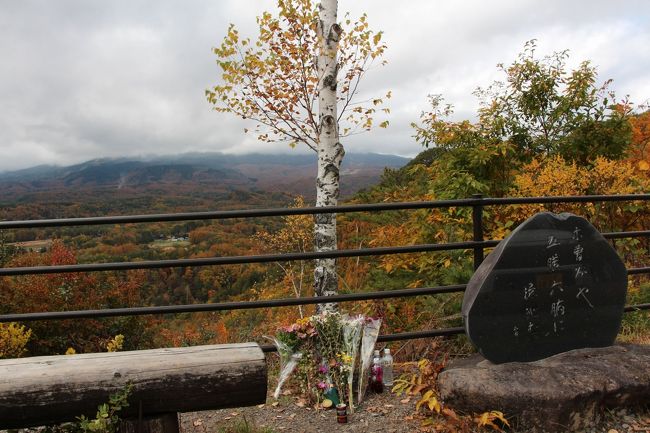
(421, 334)
(254, 213)
(225, 306)
(636, 271)
(446, 332)
(245, 305)
(489, 201)
(637, 307)
(268, 258)
(622, 235)
(238, 260)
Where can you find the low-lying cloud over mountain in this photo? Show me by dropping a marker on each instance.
(294, 174)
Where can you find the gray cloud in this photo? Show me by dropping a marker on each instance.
(86, 79)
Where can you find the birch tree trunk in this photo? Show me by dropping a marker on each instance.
(330, 152)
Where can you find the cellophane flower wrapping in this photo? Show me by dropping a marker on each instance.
(288, 362)
(368, 339)
(352, 327)
(292, 342)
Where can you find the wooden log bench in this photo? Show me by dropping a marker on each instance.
(53, 389)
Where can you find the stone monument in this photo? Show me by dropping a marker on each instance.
(550, 296)
(553, 285)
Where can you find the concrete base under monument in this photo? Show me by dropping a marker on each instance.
(564, 392)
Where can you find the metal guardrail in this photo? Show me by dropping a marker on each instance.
(475, 201)
(477, 245)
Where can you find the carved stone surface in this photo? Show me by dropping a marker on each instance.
(554, 284)
(562, 393)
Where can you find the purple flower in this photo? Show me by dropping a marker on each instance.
(321, 385)
(323, 369)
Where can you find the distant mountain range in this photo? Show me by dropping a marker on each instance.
(289, 173)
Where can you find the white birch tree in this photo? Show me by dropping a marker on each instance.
(330, 151)
(297, 82)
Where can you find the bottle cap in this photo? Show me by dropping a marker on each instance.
(387, 351)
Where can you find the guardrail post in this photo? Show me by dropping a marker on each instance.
(477, 225)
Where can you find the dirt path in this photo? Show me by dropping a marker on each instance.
(380, 413)
(385, 413)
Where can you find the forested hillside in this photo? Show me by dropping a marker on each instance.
(187, 183)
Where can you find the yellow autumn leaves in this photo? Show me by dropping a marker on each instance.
(13, 339)
(274, 80)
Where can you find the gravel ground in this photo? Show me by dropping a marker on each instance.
(624, 421)
(379, 413)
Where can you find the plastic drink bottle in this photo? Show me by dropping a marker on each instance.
(376, 374)
(387, 366)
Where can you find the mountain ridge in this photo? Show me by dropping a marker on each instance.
(293, 174)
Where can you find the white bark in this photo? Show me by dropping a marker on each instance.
(330, 152)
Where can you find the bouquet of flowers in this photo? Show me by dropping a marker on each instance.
(323, 349)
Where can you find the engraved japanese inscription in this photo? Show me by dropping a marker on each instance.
(554, 284)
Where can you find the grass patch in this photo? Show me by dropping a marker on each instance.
(636, 325)
(244, 426)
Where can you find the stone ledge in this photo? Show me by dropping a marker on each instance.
(564, 392)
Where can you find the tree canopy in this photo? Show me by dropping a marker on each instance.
(540, 109)
(274, 80)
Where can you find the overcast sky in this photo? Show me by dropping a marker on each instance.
(86, 79)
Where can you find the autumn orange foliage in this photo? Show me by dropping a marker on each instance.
(72, 291)
(640, 149)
